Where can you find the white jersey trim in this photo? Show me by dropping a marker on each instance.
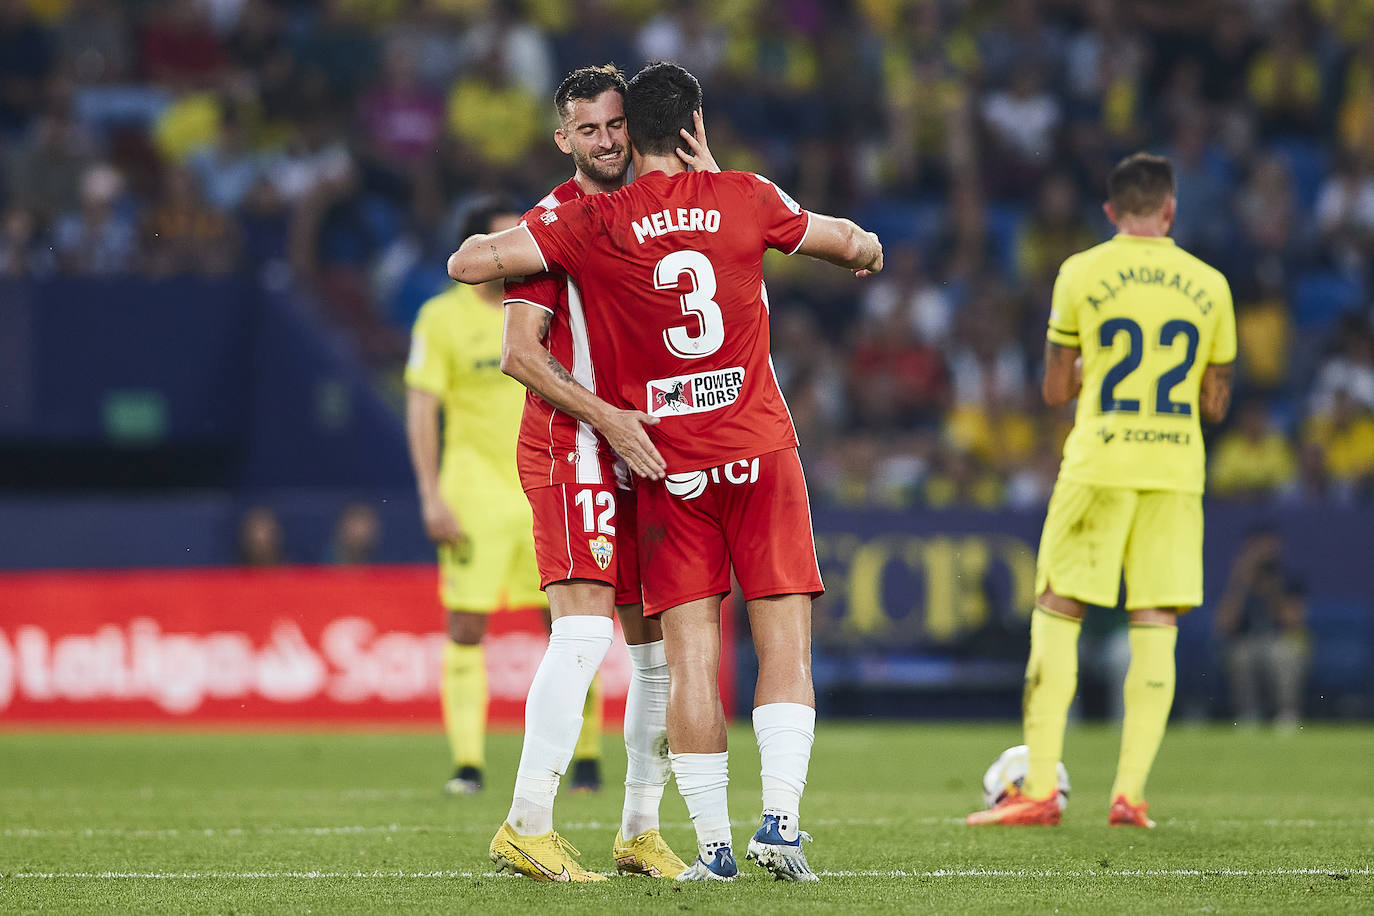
(528, 302)
(800, 241)
(588, 456)
(545, 261)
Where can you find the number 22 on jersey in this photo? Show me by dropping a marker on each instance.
(1111, 330)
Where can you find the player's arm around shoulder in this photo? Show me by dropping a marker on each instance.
(844, 243)
(509, 253)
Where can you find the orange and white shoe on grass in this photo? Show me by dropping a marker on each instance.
(1125, 814)
(1015, 809)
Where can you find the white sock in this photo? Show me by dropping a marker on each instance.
(702, 779)
(785, 733)
(646, 739)
(553, 717)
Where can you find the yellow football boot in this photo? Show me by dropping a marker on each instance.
(647, 854)
(543, 856)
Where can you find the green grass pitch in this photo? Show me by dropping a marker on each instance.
(330, 823)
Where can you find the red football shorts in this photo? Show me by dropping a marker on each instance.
(587, 531)
(753, 514)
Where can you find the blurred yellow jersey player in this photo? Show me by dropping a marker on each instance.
(473, 506)
(1144, 335)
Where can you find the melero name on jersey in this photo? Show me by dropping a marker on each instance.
(679, 220)
(696, 393)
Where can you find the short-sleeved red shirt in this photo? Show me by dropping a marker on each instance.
(555, 448)
(670, 271)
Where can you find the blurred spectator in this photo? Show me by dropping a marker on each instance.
(960, 479)
(227, 169)
(183, 234)
(100, 238)
(1203, 178)
(1266, 209)
(1284, 81)
(1054, 232)
(685, 33)
(1021, 121)
(1263, 328)
(1345, 432)
(1253, 460)
(895, 379)
(26, 59)
(495, 118)
(1260, 621)
(401, 119)
(20, 252)
(1313, 485)
(179, 49)
(44, 169)
(518, 48)
(260, 538)
(1345, 216)
(356, 536)
(93, 43)
(1350, 369)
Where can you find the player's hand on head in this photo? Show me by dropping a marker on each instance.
(698, 154)
(624, 430)
(440, 523)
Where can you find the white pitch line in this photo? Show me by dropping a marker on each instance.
(182, 833)
(936, 873)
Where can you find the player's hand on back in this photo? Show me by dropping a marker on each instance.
(698, 154)
(624, 430)
(440, 523)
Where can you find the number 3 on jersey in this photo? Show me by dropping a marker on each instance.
(698, 301)
(587, 501)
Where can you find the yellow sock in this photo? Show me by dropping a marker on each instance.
(1051, 682)
(589, 741)
(463, 695)
(1148, 696)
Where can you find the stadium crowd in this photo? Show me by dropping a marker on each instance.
(332, 147)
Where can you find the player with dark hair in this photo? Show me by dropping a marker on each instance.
(670, 269)
(469, 494)
(1144, 335)
(584, 524)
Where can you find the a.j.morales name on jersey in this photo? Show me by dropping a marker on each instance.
(679, 220)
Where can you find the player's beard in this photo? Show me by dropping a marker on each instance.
(601, 171)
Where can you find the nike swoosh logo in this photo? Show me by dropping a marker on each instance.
(544, 869)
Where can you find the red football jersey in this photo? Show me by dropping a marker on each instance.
(670, 269)
(555, 448)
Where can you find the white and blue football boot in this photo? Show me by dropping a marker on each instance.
(722, 867)
(785, 860)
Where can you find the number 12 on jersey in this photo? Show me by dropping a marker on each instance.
(1129, 362)
(588, 501)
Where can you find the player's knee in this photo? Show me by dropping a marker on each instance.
(466, 628)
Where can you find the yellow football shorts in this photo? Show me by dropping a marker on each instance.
(490, 571)
(1093, 533)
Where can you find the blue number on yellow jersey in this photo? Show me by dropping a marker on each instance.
(1148, 318)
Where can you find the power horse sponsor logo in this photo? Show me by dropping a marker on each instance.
(697, 393)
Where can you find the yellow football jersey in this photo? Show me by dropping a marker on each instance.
(455, 354)
(1148, 318)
